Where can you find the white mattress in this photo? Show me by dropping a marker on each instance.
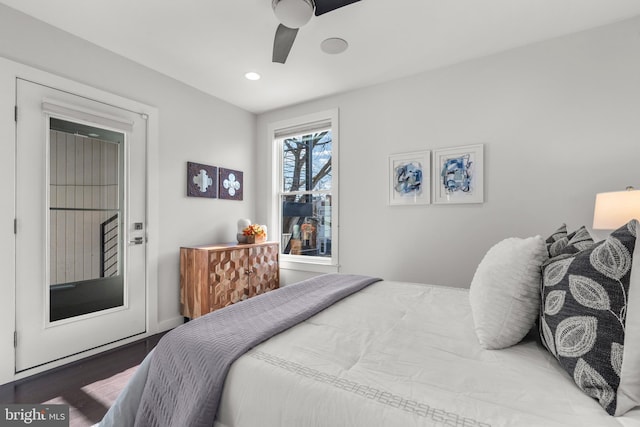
(402, 354)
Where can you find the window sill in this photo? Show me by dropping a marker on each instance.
(310, 266)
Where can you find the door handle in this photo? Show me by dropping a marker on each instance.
(136, 241)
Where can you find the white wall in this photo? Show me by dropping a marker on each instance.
(559, 121)
(193, 126)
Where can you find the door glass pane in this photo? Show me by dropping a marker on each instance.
(85, 211)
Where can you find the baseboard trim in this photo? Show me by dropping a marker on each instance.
(165, 325)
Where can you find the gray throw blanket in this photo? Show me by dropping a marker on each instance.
(190, 363)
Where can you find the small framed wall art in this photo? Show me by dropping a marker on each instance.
(409, 175)
(202, 180)
(230, 184)
(458, 175)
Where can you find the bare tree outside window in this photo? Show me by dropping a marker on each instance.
(306, 197)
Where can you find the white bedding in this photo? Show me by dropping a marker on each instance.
(402, 354)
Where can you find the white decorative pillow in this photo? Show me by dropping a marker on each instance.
(505, 291)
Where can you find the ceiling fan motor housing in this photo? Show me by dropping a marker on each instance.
(293, 13)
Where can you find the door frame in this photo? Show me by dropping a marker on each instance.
(9, 72)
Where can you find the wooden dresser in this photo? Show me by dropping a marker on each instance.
(215, 276)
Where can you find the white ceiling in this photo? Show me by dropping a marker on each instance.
(211, 44)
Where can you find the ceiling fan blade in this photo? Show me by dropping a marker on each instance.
(324, 6)
(282, 43)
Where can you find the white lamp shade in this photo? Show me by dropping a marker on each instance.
(293, 13)
(615, 209)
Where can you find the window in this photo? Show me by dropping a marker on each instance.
(305, 154)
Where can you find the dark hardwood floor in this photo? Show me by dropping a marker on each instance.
(88, 386)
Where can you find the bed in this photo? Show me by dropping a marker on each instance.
(393, 354)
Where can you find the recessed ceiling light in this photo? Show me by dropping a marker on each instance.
(93, 135)
(252, 75)
(334, 45)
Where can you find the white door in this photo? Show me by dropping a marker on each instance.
(80, 228)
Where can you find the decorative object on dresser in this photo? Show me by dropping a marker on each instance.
(202, 180)
(230, 184)
(255, 233)
(215, 276)
(242, 224)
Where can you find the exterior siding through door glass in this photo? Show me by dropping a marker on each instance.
(83, 175)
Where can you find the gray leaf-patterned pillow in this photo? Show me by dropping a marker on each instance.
(571, 243)
(557, 240)
(583, 310)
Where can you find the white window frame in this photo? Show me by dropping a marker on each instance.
(294, 126)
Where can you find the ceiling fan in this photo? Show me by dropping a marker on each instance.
(293, 14)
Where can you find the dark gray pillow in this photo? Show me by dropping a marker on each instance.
(583, 312)
(557, 236)
(571, 243)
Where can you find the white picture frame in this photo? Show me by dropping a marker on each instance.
(409, 178)
(458, 174)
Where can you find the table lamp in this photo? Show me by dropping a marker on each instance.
(616, 208)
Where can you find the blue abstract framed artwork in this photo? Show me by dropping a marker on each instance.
(458, 175)
(409, 176)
